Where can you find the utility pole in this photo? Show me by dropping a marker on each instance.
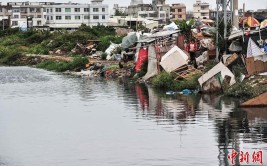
(225, 14)
(235, 14)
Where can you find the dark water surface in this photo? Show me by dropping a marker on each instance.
(48, 119)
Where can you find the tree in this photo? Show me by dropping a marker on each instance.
(119, 13)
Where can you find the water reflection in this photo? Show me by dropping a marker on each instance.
(62, 120)
(239, 129)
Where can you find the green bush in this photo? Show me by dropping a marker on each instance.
(105, 41)
(104, 56)
(38, 49)
(190, 83)
(244, 90)
(9, 56)
(166, 81)
(78, 62)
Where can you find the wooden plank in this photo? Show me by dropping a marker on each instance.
(250, 65)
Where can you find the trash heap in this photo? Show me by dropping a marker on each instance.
(147, 55)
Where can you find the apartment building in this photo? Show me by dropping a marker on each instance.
(5, 15)
(54, 15)
(201, 9)
(121, 9)
(72, 15)
(157, 10)
(27, 14)
(178, 11)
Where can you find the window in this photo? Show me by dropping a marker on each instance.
(179, 16)
(87, 17)
(67, 9)
(39, 16)
(15, 10)
(77, 9)
(39, 23)
(96, 17)
(47, 10)
(179, 10)
(38, 10)
(103, 17)
(51, 10)
(14, 23)
(58, 9)
(103, 9)
(58, 17)
(67, 17)
(77, 17)
(23, 16)
(32, 10)
(51, 18)
(95, 10)
(47, 18)
(86, 10)
(16, 16)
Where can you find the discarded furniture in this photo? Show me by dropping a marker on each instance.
(224, 74)
(173, 59)
(185, 72)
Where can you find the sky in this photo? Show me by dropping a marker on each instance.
(250, 4)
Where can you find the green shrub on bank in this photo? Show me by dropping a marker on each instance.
(38, 49)
(9, 55)
(78, 62)
(244, 90)
(166, 81)
(105, 42)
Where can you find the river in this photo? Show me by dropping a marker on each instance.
(50, 119)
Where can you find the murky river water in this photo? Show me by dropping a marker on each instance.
(48, 119)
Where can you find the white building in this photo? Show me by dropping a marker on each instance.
(27, 14)
(201, 9)
(72, 15)
(122, 9)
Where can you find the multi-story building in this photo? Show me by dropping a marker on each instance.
(201, 9)
(122, 9)
(178, 11)
(54, 15)
(72, 15)
(27, 14)
(5, 15)
(158, 11)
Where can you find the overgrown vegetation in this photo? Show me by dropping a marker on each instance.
(245, 90)
(166, 81)
(62, 66)
(15, 43)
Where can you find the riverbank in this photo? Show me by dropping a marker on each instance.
(73, 56)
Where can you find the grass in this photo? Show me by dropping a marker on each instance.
(245, 90)
(78, 62)
(166, 81)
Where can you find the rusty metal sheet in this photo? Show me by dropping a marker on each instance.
(259, 101)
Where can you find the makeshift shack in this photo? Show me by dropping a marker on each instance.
(256, 60)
